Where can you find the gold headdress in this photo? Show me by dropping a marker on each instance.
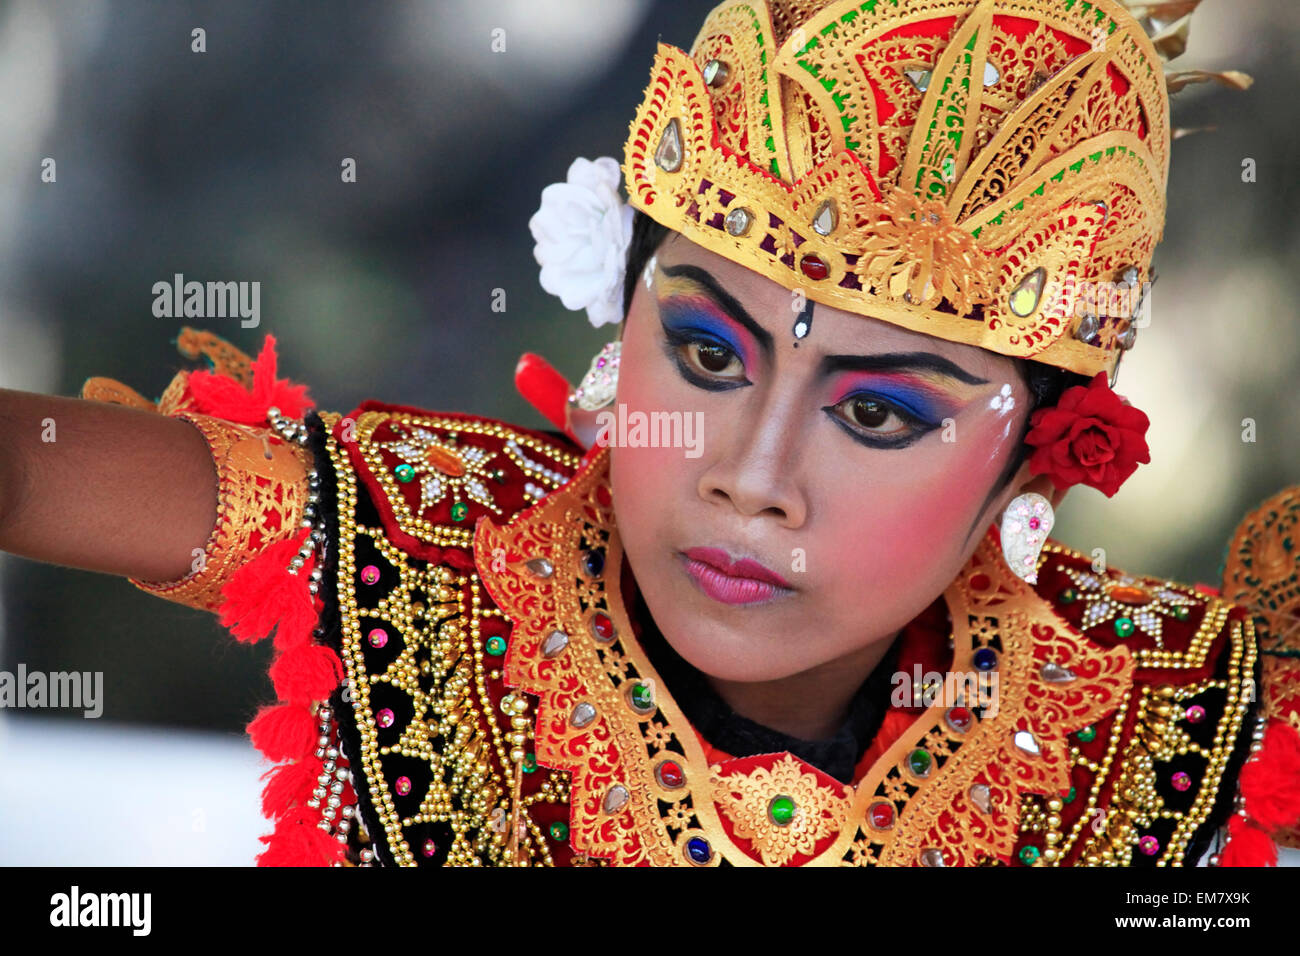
(991, 172)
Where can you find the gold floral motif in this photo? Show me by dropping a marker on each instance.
(745, 798)
(261, 494)
(916, 253)
(987, 152)
(621, 747)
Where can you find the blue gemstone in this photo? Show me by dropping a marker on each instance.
(594, 563)
(986, 659)
(698, 849)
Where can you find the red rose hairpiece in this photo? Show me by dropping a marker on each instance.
(1091, 437)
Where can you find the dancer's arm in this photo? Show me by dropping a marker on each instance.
(117, 490)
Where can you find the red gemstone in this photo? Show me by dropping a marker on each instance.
(670, 774)
(814, 267)
(603, 626)
(959, 718)
(882, 815)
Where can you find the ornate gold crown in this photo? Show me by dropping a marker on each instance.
(991, 172)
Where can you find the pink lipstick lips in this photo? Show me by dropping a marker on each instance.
(733, 582)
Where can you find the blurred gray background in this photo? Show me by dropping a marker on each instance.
(226, 165)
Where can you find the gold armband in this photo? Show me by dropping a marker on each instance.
(262, 485)
(261, 493)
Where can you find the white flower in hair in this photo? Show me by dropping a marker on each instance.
(583, 230)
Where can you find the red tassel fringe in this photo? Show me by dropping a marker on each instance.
(1247, 845)
(298, 841)
(1270, 789)
(261, 597)
(284, 732)
(224, 397)
(1271, 782)
(287, 784)
(306, 673)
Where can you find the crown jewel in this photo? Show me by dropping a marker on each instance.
(990, 172)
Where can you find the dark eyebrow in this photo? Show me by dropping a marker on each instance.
(886, 361)
(892, 361)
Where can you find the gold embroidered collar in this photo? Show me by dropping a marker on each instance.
(945, 793)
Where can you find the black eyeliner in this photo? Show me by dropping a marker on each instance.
(675, 339)
(920, 429)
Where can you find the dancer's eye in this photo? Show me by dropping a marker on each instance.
(877, 422)
(703, 360)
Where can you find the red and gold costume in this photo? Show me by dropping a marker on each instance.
(463, 665)
(495, 706)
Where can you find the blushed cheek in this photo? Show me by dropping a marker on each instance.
(648, 475)
(913, 524)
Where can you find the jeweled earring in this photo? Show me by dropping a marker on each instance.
(600, 384)
(1026, 523)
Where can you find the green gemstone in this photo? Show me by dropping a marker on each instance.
(781, 809)
(1123, 626)
(459, 510)
(918, 761)
(1180, 612)
(1069, 798)
(1029, 855)
(559, 831)
(642, 697)
(404, 472)
(1068, 596)
(496, 645)
(530, 763)
(1087, 734)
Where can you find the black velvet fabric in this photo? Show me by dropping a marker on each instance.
(739, 736)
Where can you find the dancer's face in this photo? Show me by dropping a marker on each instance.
(859, 465)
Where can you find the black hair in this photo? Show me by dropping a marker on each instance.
(1046, 383)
